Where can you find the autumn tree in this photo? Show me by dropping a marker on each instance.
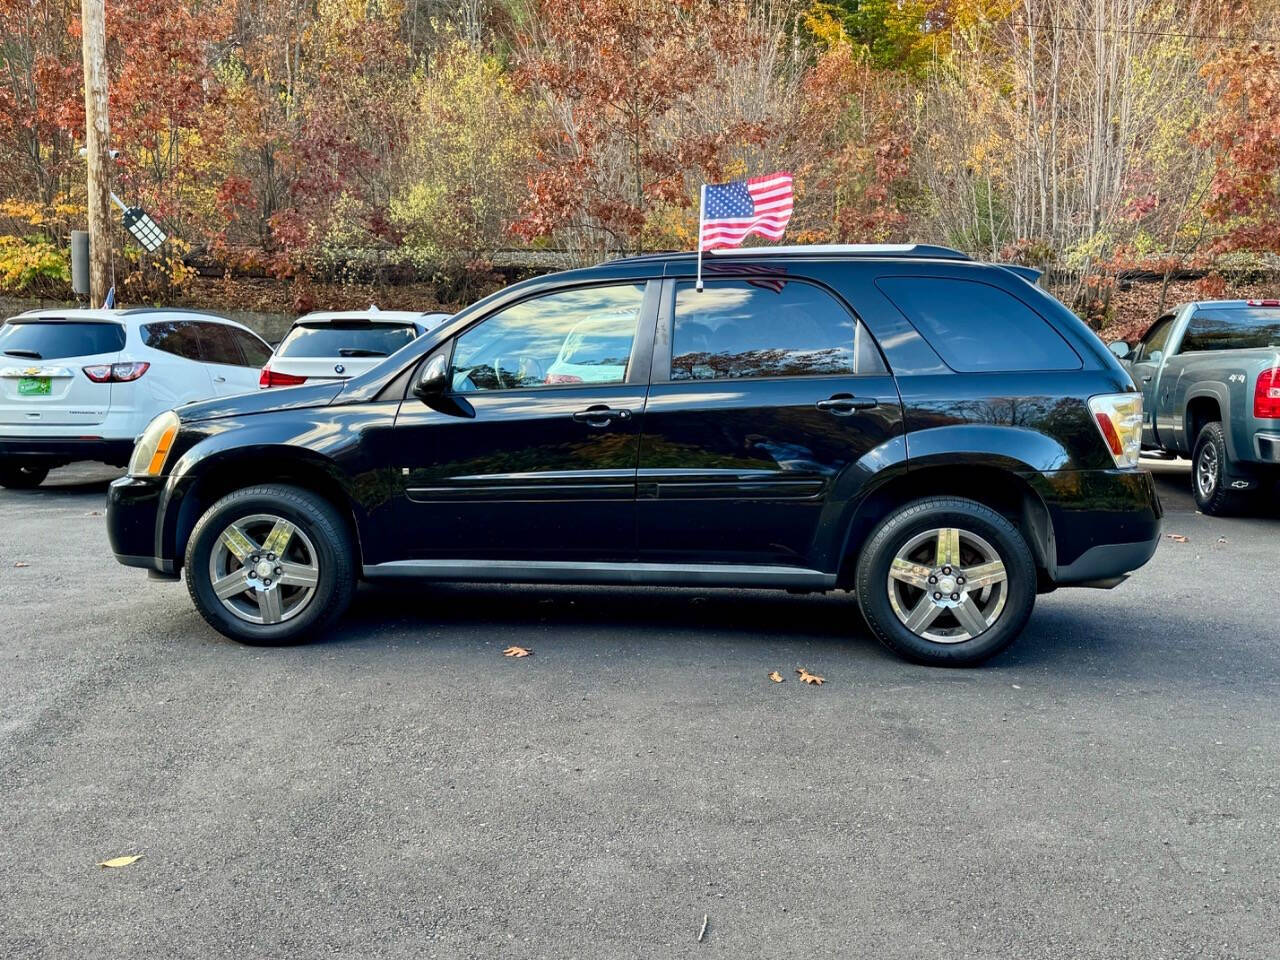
(1241, 132)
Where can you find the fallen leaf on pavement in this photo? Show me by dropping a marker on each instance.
(807, 677)
(94, 513)
(1177, 538)
(776, 677)
(517, 652)
(22, 563)
(120, 861)
(1223, 540)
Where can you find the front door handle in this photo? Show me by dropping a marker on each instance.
(219, 379)
(843, 404)
(1146, 379)
(600, 415)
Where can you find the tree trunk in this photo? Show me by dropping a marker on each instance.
(97, 131)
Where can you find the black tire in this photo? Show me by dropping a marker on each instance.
(1209, 481)
(22, 474)
(977, 524)
(324, 530)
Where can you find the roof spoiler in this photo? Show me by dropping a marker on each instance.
(1029, 274)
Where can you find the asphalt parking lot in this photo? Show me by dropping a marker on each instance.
(1108, 788)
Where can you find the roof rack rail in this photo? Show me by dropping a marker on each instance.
(907, 250)
(891, 250)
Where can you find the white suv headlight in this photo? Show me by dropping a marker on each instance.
(1118, 417)
(152, 449)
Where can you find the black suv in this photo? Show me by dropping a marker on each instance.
(936, 434)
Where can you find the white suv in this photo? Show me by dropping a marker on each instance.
(341, 345)
(82, 384)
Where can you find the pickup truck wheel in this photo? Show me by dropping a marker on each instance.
(20, 475)
(1209, 482)
(946, 582)
(270, 564)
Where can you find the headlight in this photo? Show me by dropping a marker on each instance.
(1119, 420)
(152, 449)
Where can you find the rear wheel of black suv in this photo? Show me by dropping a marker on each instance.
(1209, 482)
(946, 582)
(271, 564)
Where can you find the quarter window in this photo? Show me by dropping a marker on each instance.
(767, 327)
(256, 353)
(573, 336)
(978, 328)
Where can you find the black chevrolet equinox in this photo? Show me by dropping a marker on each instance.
(938, 435)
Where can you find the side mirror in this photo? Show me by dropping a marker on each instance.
(433, 382)
(1121, 349)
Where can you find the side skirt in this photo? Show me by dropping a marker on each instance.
(637, 574)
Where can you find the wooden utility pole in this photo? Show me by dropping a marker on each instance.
(93, 29)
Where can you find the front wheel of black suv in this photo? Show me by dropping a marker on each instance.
(1209, 482)
(271, 564)
(22, 474)
(946, 582)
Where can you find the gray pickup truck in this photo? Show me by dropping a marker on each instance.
(1209, 373)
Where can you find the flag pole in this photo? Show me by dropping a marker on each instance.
(702, 209)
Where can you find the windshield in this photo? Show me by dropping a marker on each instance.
(345, 339)
(56, 339)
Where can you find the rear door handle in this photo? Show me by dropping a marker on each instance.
(219, 379)
(600, 415)
(843, 403)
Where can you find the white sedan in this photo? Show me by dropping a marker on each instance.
(82, 384)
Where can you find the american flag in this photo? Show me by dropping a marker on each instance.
(733, 211)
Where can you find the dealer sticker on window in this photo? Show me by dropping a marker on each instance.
(34, 386)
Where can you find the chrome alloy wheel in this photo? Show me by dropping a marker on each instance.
(947, 585)
(1207, 471)
(264, 569)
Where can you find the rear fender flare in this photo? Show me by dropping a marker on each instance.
(1218, 393)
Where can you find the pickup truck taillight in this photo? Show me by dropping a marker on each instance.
(270, 378)
(1266, 394)
(1119, 420)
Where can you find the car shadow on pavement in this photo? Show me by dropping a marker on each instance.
(712, 622)
(605, 613)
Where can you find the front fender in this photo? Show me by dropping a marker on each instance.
(314, 445)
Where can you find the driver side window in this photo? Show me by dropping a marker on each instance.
(573, 336)
(1152, 346)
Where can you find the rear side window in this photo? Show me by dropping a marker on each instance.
(977, 328)
(217, 346)
(1242, 328)
(766, 328)
(178, 337)
(54, 340)
(341, 339)
(256, 353)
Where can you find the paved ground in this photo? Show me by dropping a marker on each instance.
(1108, 788)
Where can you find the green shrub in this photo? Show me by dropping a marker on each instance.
(33, 265)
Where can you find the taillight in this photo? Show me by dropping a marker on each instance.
(116, 372)
(1119, 420)
(1266, 394)
(270, 378)
(561, 378)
